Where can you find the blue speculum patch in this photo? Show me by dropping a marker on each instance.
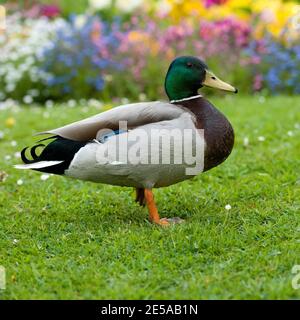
(106, 136)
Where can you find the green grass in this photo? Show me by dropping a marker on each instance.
(78, 240)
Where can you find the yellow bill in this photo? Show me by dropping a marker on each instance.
(213, 81)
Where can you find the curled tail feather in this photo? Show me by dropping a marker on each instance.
(54, 158)
(32, 152)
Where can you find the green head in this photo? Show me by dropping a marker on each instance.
(187, 74)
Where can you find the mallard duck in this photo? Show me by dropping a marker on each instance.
(82, 149)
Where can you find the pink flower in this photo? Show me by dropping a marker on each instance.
(209, 3)
(33, 12)
(50, 11)
(255, 60)
(258, 82)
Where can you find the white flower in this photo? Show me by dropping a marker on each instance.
(20, 182)
(163, 6)
(34, 92)
(49, 104)
(14, 56)
(7, 157)
(17, 154)
(95, 103)
(44, 177)
(28, 99)
(100, 4)
(108, 78)
(8, 104)
(80, 20)
(15, 241)
(29, 60)
(228, 207)
(129, 5)
(261, 138)
(124, 100)
(246, 142)
(290, 133)
(142, 97)
(37, 35)
(10, 87)
(71, 103)
(13, 143)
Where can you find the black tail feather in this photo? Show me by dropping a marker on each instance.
(60, 149)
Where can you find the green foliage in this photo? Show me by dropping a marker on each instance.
(79, 240)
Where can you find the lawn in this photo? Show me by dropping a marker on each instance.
(68, 239)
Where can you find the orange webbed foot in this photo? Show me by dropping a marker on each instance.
(166, 222)
(153, 213)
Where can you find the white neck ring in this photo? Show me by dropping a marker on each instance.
(186, 99)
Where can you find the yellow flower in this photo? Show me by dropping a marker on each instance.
(10, 122)
(260, 5)
(240, 8)
(170, 54)
(219, 12)
(192, 8)
(142, 38)
(276, 17)
(181, 8)
(136, 36)
(239, 3)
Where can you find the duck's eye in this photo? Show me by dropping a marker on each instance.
(189, 64)
(214, 78)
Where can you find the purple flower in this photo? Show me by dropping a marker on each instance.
(79, 57)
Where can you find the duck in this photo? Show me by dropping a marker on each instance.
(144, 145)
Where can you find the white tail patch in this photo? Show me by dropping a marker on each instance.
(37, 165)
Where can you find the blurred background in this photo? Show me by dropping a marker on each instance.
(62, 61)
(114, 50)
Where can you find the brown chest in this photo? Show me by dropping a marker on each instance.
(218, 132)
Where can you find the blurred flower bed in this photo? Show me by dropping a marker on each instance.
(109, 49)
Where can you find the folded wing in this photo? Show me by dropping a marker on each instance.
(135, 114)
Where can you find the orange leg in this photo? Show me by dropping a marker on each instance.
(153, 213)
